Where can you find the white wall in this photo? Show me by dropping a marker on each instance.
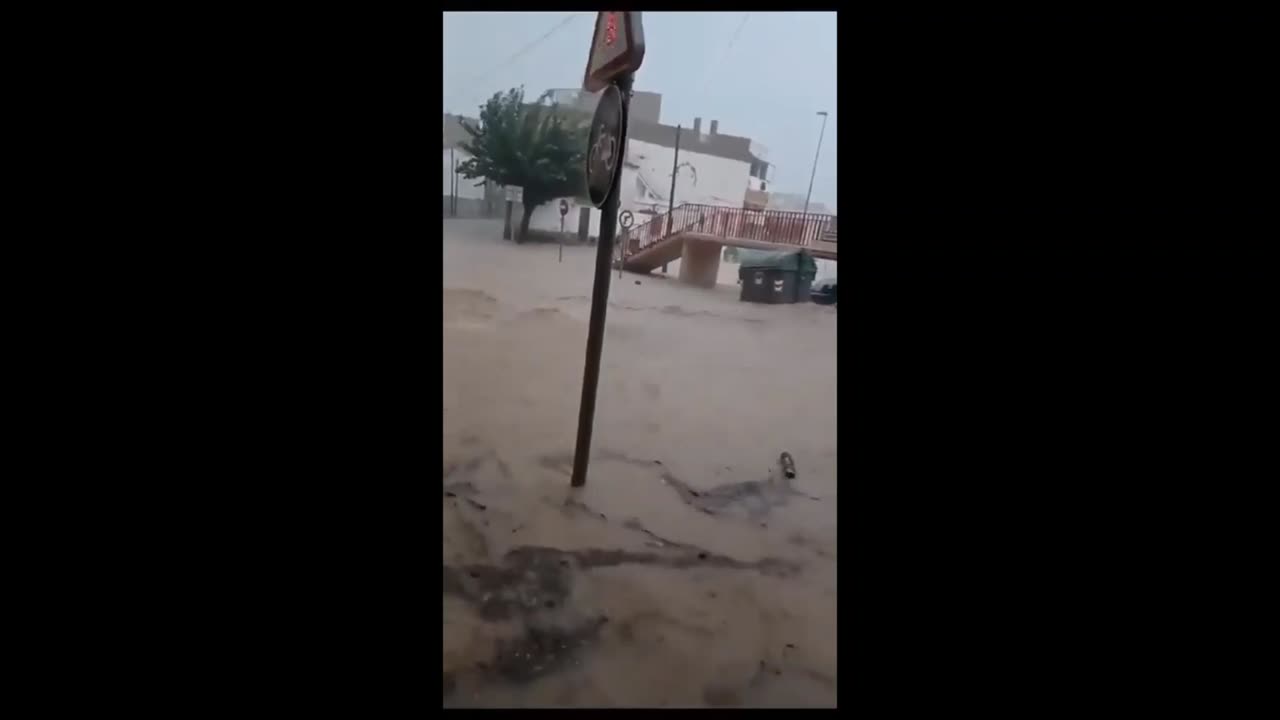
(547, 217)
(466, 188)
(720, 181)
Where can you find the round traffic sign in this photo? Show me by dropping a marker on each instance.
(604, 146)
(626, 219)
(564, 207)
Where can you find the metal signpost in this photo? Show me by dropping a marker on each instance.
(564, 210)
(617, 50)
(625, 219)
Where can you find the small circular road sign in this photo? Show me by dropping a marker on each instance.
(604, 146)
(626, 218)
(564, 207)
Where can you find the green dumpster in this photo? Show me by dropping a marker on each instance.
(775, 276)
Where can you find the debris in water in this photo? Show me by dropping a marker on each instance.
(754, 497)
(788, 464)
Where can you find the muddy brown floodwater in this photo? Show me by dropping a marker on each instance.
(690, 570)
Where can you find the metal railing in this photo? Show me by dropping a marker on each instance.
(781, 227)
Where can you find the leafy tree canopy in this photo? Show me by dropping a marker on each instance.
(537, 147)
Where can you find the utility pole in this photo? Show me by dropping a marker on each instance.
(823, 113)
(671, 199)
(675, 167)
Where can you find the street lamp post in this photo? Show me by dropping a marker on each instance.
(823, 113)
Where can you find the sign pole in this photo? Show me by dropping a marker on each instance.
(625, 219)
(599, 305)
(564, 210)
(617, 50)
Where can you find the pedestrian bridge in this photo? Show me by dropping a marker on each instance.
(695, 234)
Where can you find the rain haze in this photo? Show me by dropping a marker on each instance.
(683, 553)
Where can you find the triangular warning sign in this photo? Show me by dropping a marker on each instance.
(617, 47)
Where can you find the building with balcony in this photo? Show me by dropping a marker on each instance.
(711, 167)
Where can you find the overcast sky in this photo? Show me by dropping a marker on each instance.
(762, 75)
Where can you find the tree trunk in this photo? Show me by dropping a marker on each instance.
(524, 223)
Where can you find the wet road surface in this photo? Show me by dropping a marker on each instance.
(690, 571)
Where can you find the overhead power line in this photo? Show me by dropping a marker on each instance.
(469, 86)
(706, 76)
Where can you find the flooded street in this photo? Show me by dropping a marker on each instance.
(689, 571)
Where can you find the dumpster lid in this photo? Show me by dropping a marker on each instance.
(795, 260)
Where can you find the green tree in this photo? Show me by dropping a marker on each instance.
(536, 147)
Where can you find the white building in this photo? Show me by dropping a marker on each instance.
(712, 169)
(473, 199)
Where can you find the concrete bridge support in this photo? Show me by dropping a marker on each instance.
(700, 262)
